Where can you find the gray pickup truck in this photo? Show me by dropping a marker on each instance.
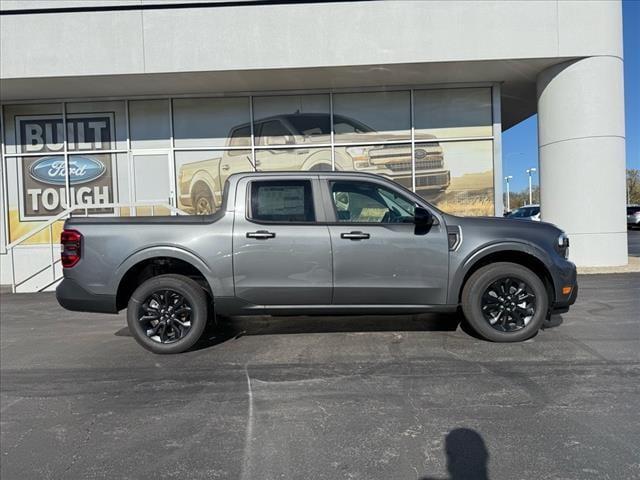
(315, 243)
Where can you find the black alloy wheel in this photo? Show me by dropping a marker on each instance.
(168, 313)
(505, 302)
(203, 205)
(508, 304)
(165, 316)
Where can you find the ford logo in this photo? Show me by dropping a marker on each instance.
(420, 153)
(52, 170)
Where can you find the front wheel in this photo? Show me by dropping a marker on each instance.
(167, 313)
(505, 302)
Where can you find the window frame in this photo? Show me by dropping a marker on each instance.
(412, 197)
(317, 216)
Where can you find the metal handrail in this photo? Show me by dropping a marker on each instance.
(65, 214)
(86, 208)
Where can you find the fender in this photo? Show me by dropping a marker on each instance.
(205, 177)
(170, 251)
(455, 283)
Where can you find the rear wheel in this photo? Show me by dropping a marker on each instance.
(167, 313)
(505, 302)
(203, 202)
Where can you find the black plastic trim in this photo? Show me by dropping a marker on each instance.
(72, 296)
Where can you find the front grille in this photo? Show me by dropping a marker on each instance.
(429, 164)
(442, 179)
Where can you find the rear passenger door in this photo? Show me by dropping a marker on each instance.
(281, 254)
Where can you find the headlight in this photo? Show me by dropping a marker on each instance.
(359, 155)
(562, 245)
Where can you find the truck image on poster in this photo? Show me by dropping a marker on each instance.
(288, 142)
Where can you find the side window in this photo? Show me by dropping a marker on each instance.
(364, 202)
(274, 132)
(238, 138)
(282, 201)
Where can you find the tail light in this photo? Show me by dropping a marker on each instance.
(70, 247)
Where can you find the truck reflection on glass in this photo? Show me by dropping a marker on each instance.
(299, 142)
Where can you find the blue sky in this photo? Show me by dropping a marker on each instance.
(520, 143)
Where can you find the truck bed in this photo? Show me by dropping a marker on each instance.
(154, 220)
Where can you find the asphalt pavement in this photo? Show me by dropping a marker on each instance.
(402, 397)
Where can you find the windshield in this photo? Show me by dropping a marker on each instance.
(349, 125)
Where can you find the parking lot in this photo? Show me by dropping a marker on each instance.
(403, 397)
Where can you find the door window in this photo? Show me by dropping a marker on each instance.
(364, 202)
(282, 201)
(274, 132)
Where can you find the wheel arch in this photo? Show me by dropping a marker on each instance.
(317, 158)
(158, 261)
(519, 254)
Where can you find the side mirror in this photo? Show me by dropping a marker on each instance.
(422, 217)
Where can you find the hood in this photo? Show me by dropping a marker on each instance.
(481, 230)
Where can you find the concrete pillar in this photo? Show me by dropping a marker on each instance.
(582, 157)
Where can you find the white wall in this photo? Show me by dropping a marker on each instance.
(299, 36)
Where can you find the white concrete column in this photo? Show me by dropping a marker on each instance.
(582, 157)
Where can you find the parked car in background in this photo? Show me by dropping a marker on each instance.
(303, 243)
(633, 216)
(528, 212)
(287, 143)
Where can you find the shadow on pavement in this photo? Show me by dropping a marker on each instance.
(467, 456)
(226, 328)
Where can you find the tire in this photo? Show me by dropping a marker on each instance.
(514, 323)
(203, 203)
(168, 289)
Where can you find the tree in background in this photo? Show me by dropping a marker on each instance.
(518, 199)
(633, 186)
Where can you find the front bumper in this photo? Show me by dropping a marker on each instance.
(438, 180)
(72, 296)
(564, 275)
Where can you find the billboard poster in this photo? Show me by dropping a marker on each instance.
(372, 134)
(42, 178)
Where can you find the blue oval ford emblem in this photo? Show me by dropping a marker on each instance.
(52, 170)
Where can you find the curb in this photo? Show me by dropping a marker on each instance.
(632, 267)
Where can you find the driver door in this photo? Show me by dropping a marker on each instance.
(379, 256)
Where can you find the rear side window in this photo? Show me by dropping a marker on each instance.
(282, 201)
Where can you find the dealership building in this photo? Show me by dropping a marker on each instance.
(129, 107)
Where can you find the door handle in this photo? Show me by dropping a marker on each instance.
(225, 167)
(355, 236)
(261, 235)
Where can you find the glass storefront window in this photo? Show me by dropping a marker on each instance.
(452, 113)
(33, 128)
(464, 184)
(211, 122)
(149, 123)
(292, 119)
(96, 125)
(200, 177)
(213, 139)
(292, 159)
(392, 161)
(371, 117)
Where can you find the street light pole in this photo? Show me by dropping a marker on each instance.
(508, 202)
(530, 172)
